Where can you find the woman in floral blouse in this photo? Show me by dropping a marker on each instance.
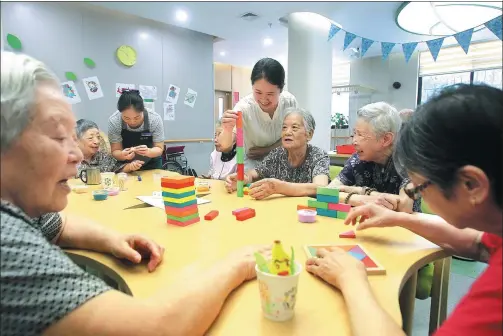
(89, 139)
(296, 168)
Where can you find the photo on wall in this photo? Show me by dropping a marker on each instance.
(70, 92)
(173, 93)
(93, 87)
(190, 98)
(148, 91)
(119, 87)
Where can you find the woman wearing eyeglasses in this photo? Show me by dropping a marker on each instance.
(460, 183)
(136, 134)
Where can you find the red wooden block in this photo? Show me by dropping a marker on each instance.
(177, 223)
(245, 214)
(178, 179)
(239, 121)
(368, 262)
(181, 212)
(339, 207)
(211, 215)
(302, 207)
(235, 212)
(241, 171)
(177, 185)
(348, 234)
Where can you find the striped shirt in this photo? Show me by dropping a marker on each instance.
(115, 127)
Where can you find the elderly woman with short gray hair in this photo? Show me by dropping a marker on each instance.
(89, 140)
(296, 168)
(369, 175)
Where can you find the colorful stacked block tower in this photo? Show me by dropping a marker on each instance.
(327, 203)
(180, 203)
(240, 154)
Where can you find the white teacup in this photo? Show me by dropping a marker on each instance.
(107, 180)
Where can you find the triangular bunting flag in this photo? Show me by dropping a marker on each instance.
(434, 46)
(366, 43)
(386, 48)
(333, 30)
(408, 50)
(464, 38)
(348, 39)
(495, 26)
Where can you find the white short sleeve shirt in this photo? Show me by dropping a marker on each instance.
(259, 130)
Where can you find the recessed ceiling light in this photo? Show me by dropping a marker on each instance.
(267, 41)
(181, 15)
(144, 35)
(222, 53)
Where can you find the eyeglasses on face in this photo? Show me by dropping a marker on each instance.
(415, 192)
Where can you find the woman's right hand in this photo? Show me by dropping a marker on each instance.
(231, 182)
(229, 120)
(135, 165)
(128, 153)
(372, 215)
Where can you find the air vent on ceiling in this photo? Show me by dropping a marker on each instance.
(249, 16)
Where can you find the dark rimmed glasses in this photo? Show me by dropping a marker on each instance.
(415, 193)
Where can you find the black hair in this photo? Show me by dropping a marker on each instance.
(130, 99)
(454, 129)
(270, 70)
(83, 125)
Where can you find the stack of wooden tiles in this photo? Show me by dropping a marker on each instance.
(180, 203)
(240, 155)
(327, 203)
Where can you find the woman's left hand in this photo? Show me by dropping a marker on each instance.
(350, 189)
(263, 188)
(142, 150)
(336, 267)
(135, 248)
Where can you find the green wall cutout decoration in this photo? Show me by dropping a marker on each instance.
(89, 62)
(70, 76)
(14, 42)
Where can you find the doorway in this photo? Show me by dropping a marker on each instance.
(223, 102)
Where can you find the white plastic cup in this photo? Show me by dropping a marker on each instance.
(278, 294)
(107, 180)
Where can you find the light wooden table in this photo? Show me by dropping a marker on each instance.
(320, 308)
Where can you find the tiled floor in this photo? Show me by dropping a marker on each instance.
(463, 274)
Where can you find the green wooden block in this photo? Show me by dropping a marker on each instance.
(315, 204)
(240, 155)
(327, 191)
(341, 215)
(240, 186)
(183, 219)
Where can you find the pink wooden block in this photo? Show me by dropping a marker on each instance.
(339, 207)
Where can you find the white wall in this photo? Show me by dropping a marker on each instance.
(380, 75)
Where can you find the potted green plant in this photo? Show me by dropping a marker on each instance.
(339, 121)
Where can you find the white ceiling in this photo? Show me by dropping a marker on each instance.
(242, 41)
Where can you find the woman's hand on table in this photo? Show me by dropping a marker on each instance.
(336, 267)
(372, 215)
(231, 182)
(135, 248)
(135, 165)
(128, 153)
(349, 189)
(263, 188)
(244, 259)
(385, 200)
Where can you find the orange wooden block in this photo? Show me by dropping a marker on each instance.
(348, 234)
(181, 212)
(177, 223)
(178, 179)
(246, 214)
(177, 185)
(211, 215)
(302, 207)
(239, 122)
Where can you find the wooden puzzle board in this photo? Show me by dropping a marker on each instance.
(356, 250)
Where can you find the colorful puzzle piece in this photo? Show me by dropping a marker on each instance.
(179, 197)
(356, 251)
(348, 234)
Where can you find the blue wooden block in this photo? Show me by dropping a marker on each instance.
(328, 199)
(182, 195)
(180, 205)
(327, 213)
(357, 255)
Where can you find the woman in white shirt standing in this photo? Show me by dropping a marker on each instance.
(263, 113)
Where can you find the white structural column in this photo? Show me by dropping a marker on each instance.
(310, 70)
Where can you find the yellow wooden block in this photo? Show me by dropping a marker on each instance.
(179, 200)
(179, 191)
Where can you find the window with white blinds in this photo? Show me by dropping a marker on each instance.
(481, 56)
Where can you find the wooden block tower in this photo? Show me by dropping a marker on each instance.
(240, 154)
(327, 203)
(180, 203)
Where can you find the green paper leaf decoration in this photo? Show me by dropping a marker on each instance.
(14, 42)
(89, 62)
(70, 76)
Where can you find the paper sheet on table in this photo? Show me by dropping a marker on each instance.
(159, 203)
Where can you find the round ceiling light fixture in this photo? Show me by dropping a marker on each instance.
(445, 18)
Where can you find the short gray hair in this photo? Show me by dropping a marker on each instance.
(83, 125)
(382, 117)
(20, 77)
(309, 123)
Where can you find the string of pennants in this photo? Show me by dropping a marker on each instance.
(464, 39)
